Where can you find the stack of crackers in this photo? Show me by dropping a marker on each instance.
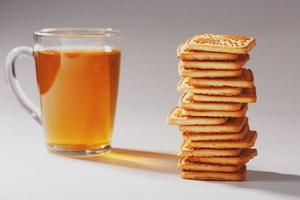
(216, 90)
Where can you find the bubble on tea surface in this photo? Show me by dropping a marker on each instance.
(107, 48)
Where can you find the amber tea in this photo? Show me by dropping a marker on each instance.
(78, 93)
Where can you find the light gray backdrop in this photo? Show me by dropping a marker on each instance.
(152, 30)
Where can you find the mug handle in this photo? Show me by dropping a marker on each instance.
(10, 73)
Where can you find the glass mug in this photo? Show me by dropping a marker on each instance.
(77, 72)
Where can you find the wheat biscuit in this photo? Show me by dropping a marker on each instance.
(184, 54)
(216, 136)
(232, 125)
(246, 80)
(248, 95)
(208, 73)
(221, 43)
(186, 102)
(186, 150)
(184, 86)
(175, 117)
(215, 176)
(216, 113)
(247, 142)
(210, 152)
(237, 64)
(243, 158)
(186, 165)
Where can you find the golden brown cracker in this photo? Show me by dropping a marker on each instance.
(216, 136)
(221, 43)
(225, 64)
(206, 152)
(247, 142)
(216, 113)
(246, 80)
(208, 73)
(186, 102)
(248, 95)
(184, 86)
(232, 125)
(175, 117)
(186, 165)
(243, 158)
(184, 54)
(215, 176)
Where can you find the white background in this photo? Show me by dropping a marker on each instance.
(143, 165)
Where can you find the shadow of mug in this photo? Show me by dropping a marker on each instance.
(144, 160)
(286, 184)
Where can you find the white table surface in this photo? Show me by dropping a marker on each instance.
(142, 166)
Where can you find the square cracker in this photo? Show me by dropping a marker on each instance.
(248, 95)
(232, 125)
(210, 152)
(186, 165)
(208, 73)
(184, 54)
(175, 117)
(247, 142)
(243, 158)
(186, 102)
(217, 113)
(215, 176)
(184, 86)
(221, 43)
(216, 136)
(185, 150)
(246, 80)
(225, 64)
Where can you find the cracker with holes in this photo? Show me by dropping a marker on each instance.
(215, 113)
(186, 150)
(243, 158)
(188, 103)
(176, 118)
(221, 43)
(184, 86)
(232, 125)
(237, 64)
(184, 54)
(208, 73)
(200, 136)
(247, 142)
(248, 95)
(215, 175)
(246, 80)
(186, 165)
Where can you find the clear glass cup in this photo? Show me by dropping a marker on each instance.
(77, 72)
